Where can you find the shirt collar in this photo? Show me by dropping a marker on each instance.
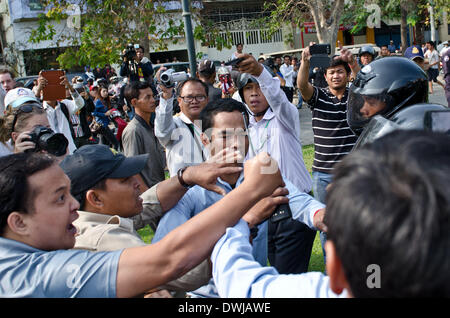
(267, 116)
(143, 122)
(227, 186)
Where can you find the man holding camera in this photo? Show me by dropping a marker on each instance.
(135, 66)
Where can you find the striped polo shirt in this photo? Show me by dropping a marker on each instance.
(333, 138)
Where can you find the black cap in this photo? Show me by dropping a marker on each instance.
(92, 163)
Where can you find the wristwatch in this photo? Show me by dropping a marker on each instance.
(180, 178)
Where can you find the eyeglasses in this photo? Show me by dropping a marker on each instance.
(26, 108)
(189, 99)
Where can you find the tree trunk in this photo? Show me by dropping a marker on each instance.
(403, 28)
(420, 36)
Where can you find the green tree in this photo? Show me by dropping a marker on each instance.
(107, 26)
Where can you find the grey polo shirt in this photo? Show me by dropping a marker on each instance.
(29, 272)
(139, 138)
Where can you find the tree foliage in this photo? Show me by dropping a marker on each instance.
(107, 26)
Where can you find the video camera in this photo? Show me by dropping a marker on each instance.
(170, 77)
(46, 139)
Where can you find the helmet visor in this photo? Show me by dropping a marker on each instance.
(362, 107)
(377, 127)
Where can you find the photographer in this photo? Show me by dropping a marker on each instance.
(135, 66)
(101, 113)
(25, 127)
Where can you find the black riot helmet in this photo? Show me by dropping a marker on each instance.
(367, 49)
(433, 117)
(384, 87)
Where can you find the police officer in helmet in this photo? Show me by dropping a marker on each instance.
(391, 94)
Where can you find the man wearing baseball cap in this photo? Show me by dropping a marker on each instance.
(415, 54)
(112, 207)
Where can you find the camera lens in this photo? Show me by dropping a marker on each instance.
(57, 144)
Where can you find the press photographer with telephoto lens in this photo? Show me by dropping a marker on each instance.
(134, 65)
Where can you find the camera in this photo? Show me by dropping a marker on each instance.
(130, 52)
(46, 139)
(170, 77)
(320, 49)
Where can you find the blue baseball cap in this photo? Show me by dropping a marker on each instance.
(90, 164)
(414, 51)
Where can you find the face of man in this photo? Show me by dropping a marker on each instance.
(336, 77)
(371, 107)
(139, 54)
(146, 102)
(384, 51)
(419, 61)
(287, 61)
(228, 131)
(366, 58)
(7, 82)
(121, 197)
(277, 61)
(254, 98)
(239, 48)
(49, 224)
(198, 100)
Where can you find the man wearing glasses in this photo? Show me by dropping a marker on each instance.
(180, 134)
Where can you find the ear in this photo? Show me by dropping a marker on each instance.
(94, 199)
(205, 139)
(133, 102)
(17, 223)
(14, 135)
(338, 281)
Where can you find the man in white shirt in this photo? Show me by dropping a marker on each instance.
(287, 70)
(59, 112)
(239, 48)
(274, 127)
(180, 135)
(433, 61)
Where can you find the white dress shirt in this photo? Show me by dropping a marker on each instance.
(58, 122)
(182, 149)
(278, 133)
(288, 74)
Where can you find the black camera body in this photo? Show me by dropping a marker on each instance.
(319, 56)
(46, 139)
(130, 52)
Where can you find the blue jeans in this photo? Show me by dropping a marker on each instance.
(320, 182)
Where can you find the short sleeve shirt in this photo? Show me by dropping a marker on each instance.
(29, 272)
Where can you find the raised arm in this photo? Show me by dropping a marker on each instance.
(305, 87)
(143, 268)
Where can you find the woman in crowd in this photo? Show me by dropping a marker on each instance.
(101, 114)
(17, 125)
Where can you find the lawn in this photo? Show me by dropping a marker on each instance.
(316, 262)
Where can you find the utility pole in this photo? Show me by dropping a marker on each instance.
(189, 37)
(432, 24)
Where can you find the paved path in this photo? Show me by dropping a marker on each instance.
(306, 134)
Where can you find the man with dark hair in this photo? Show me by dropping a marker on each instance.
(433, 59)
(384, 52)
(111, 209)
(274, 127)
(224, 126)
(143, 69)
(37, 212)
(333, 138)
(287, 70)
(207, 74)
(7, 83)
(388, 229)
(181, 135)
(139, 135)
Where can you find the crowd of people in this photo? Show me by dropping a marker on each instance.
(238, 212)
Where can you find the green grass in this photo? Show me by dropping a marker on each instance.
(316, 261)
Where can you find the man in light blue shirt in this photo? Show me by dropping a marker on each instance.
(223, 125)
(388, 229)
